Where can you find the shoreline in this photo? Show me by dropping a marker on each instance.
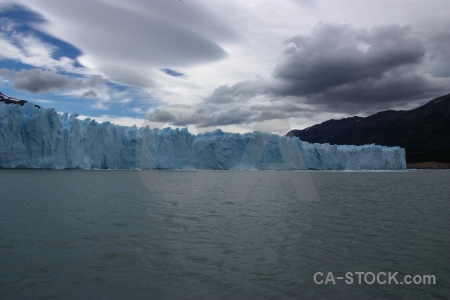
(428, 165)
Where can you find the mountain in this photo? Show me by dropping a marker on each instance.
(424, 132)
(10, 100)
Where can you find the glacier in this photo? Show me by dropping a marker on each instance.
(32, 137)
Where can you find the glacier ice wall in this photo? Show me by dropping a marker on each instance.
(41, 138)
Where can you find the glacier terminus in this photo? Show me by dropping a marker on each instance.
(32, 137)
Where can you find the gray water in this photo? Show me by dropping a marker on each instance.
(78, 234)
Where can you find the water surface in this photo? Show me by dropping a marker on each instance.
(79, 234)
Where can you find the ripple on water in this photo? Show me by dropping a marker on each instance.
(218, 234)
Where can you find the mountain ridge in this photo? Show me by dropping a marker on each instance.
(423, 131)
(12, 100)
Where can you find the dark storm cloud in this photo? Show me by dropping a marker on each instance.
(439, 55)
(39, 81)
(372, 95)
(335, 55)
(341, 69)
(89, 94)
(43, 81)
(162, 116)
(180, 115)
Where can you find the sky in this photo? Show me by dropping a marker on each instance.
(235, 65)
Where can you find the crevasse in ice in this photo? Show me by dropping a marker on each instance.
(41, 138)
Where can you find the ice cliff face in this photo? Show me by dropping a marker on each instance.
(41, 138)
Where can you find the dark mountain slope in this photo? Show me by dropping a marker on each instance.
(424, 131)
(10, 100)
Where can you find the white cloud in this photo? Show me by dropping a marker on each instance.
(124, 121)
(30, 50)
(44, 101)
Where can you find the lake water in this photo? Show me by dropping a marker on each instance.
(78, 234)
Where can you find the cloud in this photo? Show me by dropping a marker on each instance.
(44, 101)
(118, 120)
(334, 55)
(204, 115)
(5, 73)
(339, 68)
(180, 115)
(43, 81)
(139, 36)
(336, 69)
(162, 116)
(39, 81)
(239, 92)
(438, 55)
(30, 50)
(184, 115)
(163, 52)
(92, 82)
(127, 76)
(371, 95)
(89, 94)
